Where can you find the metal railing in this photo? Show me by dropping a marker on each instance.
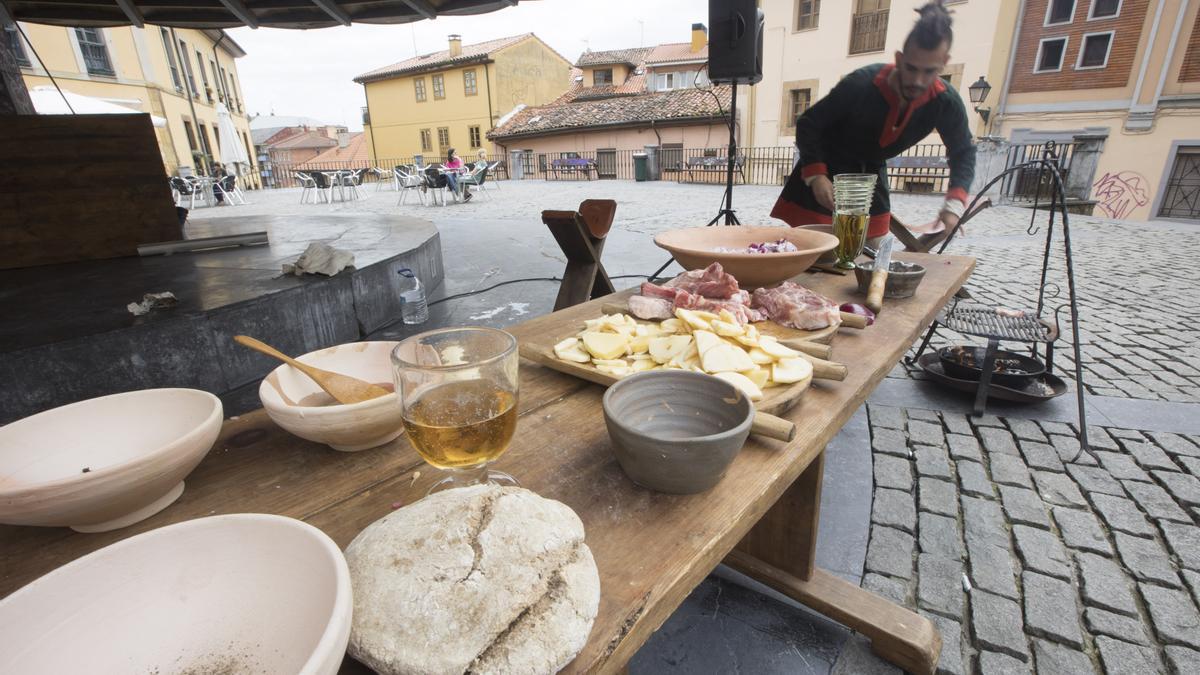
(868, 31)
(1025, 185)
(921, 169)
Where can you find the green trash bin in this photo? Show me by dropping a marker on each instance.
(641, 171)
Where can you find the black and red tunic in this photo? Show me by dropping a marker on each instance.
(857, 127)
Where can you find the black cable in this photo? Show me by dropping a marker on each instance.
(44, 67)
(517, 281)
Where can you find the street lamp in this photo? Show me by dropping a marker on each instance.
(979, 92)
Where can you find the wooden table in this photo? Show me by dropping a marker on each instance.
(652, 549)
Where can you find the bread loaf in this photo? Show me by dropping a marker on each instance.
(484, 579)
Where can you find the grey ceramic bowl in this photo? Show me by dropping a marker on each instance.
(676, 431)
(903, 278)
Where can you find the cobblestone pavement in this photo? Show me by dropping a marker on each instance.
(1133, 281)
(1029, 558)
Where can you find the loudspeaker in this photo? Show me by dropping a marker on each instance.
(735, 46)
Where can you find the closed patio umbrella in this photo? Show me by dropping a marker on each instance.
(233, 151)
(47, 101)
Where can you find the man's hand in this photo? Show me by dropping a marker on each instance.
(822, 189)
(948, 221)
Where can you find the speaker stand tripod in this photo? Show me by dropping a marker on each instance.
(727, 213)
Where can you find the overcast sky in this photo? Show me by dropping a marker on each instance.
(294, 72)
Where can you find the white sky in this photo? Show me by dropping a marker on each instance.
(310, 73)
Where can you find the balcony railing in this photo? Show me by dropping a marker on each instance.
(868, 32)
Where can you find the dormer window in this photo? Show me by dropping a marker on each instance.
(602, 76)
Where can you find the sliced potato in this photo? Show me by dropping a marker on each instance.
(759, 376)
(690, 353)
(706, 316)
(670, 326)
(724, 358)
(692, 319)
(639, 344)
(643, 364)
(617, 371)
(760, 357)
(663, 349)
(751, 337)
(771, 346)
(705, 340)
(641, 357)
(788, 371)
(610, 363)
(727, 328)
(605, 345)
(569, 350)
(727, 316)
(745, 384)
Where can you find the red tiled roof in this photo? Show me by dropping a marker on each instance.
(677, 52)
(308, 139)
(666, 106)
(355, 153)
(440, 60)
(631, 56)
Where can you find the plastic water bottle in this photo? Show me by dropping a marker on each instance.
(413, 309)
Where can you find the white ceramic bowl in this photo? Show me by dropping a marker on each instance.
(107, 462)
(348, 428)
(236, 593)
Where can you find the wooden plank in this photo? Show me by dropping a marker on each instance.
(81, 187)
(651, 549)
(904, 638)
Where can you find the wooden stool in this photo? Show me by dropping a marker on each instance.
(580, 234)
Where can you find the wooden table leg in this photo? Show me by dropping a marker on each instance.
(780, 551)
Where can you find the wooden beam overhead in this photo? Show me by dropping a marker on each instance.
(242, 12)
(332, 9)
(423, 8)
(131, 11)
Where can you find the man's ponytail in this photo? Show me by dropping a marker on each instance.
(932, 28)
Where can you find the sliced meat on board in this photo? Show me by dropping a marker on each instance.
(710, 289)
(792, 305)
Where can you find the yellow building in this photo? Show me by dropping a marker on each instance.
(1121, 79)
(453, 98)
(177, 74)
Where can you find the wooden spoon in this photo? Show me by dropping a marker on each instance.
(343, 388)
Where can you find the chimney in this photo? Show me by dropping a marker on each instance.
(455, 45)
(343, 139)
(699, 37)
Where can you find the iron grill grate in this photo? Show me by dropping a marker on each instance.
(984, 321)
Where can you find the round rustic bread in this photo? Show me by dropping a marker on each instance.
(484, 579)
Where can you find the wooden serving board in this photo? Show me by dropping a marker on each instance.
(768, 327)
(776, 400)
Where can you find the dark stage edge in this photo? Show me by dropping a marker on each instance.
(66, 335)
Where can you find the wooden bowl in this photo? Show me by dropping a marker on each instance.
(676, 431)
(228, 594)
(829, 256)
(298, 405)
(107, 462)
(696, 248)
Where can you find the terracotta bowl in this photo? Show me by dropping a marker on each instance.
(229, 594)
(696, 248)
(107, 462)
(298, 405)
(828, 256)
(676, 431)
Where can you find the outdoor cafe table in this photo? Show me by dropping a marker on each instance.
(651, 549)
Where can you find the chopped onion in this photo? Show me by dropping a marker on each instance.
(853, 308)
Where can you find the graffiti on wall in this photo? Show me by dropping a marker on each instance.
(1118, 194)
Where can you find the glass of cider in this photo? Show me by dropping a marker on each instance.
(852, 194)
(458, 387)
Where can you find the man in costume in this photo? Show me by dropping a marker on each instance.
(876, 113)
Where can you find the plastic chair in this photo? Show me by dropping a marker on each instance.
(308, 185)
(384, 177)
(183, 188)
(227, 187)
(436, 184)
